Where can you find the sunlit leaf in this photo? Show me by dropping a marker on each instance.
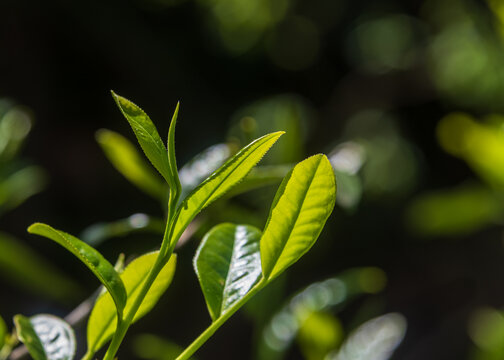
(229, 174)
(33, 273)
(3, 332)
(27, 335)
(127, 160)
(376, 339)
(303, 202)
(319, 333)
(147, 136)
(228, 265)
(460, 210)
(136, 223)
(176, 188)
(103, 270)
(103, 319)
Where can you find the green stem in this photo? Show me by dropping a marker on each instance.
(124, 325)
(205, 335)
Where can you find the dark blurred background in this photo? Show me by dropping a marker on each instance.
(405, 95)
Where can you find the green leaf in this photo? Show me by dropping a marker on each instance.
(20, 185)
(103, 319)
(303, 202)
(147, 136)
(202, 166)
(227, 264)
(176, 188)
(376, 339)
(27, 335)
(103, 270)
(127, 160)
(229, 174)
(3, 332)
(319, 333)
(33, 273)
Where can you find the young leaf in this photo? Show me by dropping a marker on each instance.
(102, 321)
(227, 264)
(303, 202)
(3, 332)
(147, 136)
(127, 160)
(103, 270)
(27, 335)
(229, 174)
(176, 187)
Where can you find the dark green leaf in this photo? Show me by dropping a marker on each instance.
(103, 319)
(127, 160)
(33, 273)
(103, 270)
(303, 202)
(229, 174)
(28, 336)
(147, 136)
(228, 265)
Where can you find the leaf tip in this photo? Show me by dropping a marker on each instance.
(32, 229)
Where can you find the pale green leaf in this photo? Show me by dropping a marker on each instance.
(103, 270)
(3, 332)
(33, 273)
(376, 339)
(228, 265)
(304, 201)
(103, 319)
(147, 136)
(228, 175)
(319, 333)
(127, 160)
(27, 335)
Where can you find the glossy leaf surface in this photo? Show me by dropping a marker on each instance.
(147, 135)
(56, 336)
(103, 270)
(127, 160)
(228, 175)
(376, 339)
(228, 265)
(27, 335)
(103, 319)
(303, 202)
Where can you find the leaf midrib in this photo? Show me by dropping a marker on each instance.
(297, 212)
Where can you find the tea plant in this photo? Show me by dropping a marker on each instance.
(232, 263)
